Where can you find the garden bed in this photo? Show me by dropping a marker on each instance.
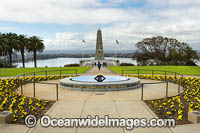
(20, 105)
(176, 107)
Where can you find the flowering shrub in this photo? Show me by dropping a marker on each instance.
(176, 107)
(20, 105)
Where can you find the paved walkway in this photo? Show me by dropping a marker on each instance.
(103, 70)
(117, 104)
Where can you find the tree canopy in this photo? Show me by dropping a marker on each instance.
(12, 41)
(35, 44)
(164, 51)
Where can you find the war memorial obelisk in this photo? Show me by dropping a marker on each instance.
(99, 46)
(99, 56)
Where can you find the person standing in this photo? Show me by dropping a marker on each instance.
(99, 65)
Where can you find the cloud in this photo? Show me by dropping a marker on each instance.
(5, 28)
(178, 19)
(61, 12)
(71, 41)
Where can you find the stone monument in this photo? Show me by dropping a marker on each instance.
(99, 46)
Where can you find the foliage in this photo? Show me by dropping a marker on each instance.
(11, 41)
(21, 46)
(126, 64)
(8, 42)
(1, 64)
(164, 51)
(71, 65)
(35, 44)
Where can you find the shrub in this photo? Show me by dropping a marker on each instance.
(190, 63)
(72, 65)
(126, 64)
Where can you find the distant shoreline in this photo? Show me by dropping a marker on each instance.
(54, 56)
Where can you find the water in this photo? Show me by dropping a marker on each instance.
(124, 60)
(198, 63)
(63, 61)
(92, 79)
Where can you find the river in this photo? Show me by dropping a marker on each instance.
(57, 62)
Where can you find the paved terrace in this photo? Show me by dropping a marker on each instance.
(116, 104)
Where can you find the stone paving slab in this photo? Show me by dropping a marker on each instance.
(99, 108)
(148, 130)
(95, 71)
(62, 109)
(188, 128)
(13, 128)
(100, 130)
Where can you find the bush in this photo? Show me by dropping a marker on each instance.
(127, 64)
(1, 64)
(6, 65)
(72, 65)
(190, 63)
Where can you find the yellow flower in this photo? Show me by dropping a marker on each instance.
(179, 117)
(169, 113)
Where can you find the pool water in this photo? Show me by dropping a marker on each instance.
(91, 79)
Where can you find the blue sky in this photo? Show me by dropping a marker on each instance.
(63, 24)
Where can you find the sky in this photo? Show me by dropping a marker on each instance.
(63, 24)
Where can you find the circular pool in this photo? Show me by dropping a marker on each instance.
(111, 83)
(92, 79)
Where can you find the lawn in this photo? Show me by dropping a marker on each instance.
(186, 70)
(4, 72)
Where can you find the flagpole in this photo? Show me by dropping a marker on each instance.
(82, 53)
(83, 49)
(116, 52)
(117, 42)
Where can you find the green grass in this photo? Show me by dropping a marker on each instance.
(186, 70)
(4, 72)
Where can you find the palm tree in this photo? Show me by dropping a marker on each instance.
(2, 44)
(10, 42)
(22, 46)
(2, 47)
(35, 44)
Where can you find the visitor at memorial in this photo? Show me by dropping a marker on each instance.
(103, 64)
(99, 65)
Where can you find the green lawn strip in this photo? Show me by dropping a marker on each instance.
(186, 70)
(4, 72)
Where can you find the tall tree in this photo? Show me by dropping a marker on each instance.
(35, 44)
(163, 50)
(21, 46)
(10, 42)
(3, 47)
(2, 44)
